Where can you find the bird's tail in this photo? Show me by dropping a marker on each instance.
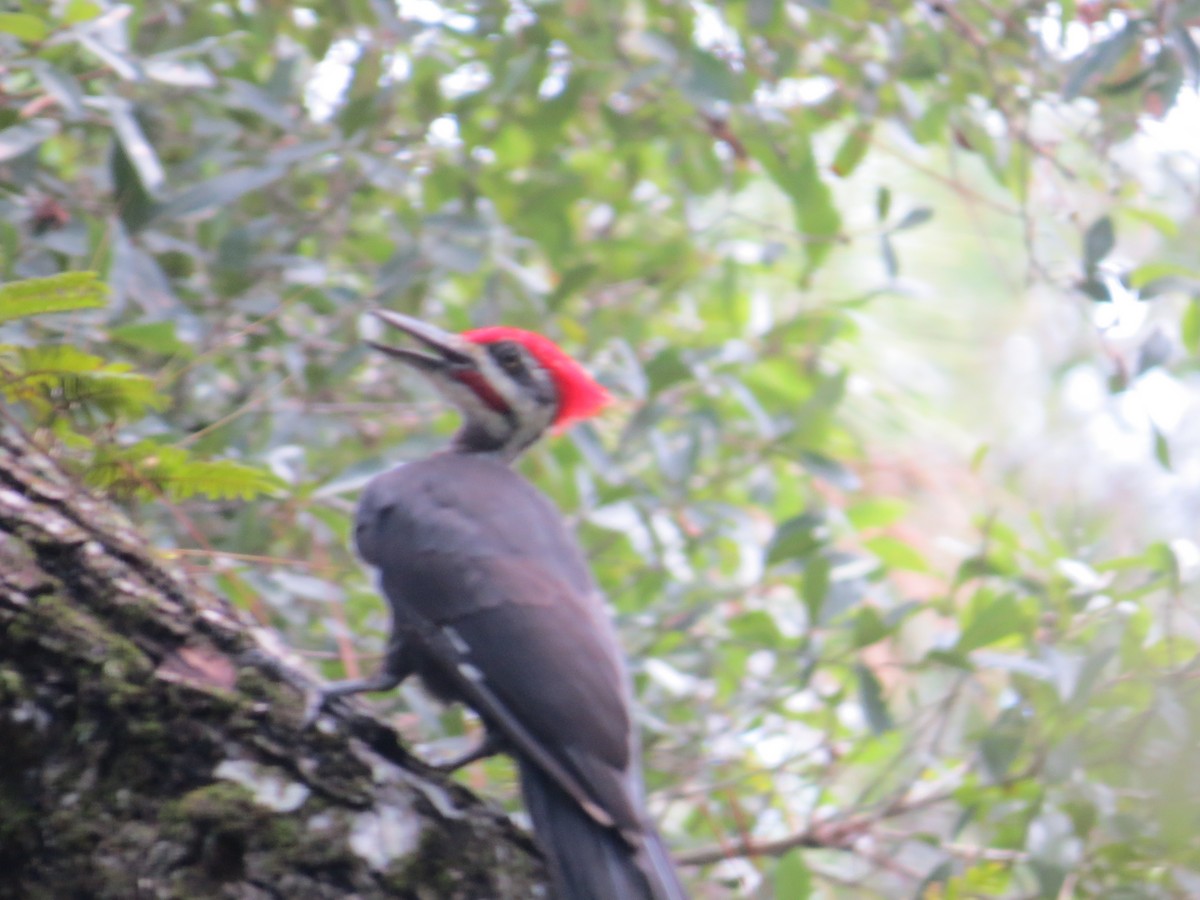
(590, 861)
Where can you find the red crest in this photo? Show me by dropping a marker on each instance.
(579, 395)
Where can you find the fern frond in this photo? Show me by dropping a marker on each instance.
(62, 377)
(148, 470)
(221, 480)
(57, 293)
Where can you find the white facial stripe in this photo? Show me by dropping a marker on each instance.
(530, 417)
(505, 432)
(474, 408)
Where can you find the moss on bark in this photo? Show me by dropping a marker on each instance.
(149, 745)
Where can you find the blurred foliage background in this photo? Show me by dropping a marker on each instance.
(901, 302)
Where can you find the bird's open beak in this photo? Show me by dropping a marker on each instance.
(450, 349)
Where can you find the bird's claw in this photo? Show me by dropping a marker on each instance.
(489, 746)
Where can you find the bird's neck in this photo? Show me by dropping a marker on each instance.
(474, 439)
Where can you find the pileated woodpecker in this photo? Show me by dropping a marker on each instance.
(493, 605)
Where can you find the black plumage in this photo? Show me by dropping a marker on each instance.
(495, 607)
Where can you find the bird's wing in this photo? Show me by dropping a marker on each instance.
(479, 566)
(537, 662)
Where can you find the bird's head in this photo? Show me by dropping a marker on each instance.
(510, 385)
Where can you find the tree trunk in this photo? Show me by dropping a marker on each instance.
(150, 744)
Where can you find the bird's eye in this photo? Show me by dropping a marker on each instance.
(509, 357)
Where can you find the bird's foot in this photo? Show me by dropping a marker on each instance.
(489, 746)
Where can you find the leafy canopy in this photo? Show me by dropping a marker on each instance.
(901, 624)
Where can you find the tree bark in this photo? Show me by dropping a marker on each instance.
(151, 747)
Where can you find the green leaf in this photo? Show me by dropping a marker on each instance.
(169, 69)
(815, 586)
(982, 566)
(887, 251)
(792, 878)
(896, 554)
(81, 11)
(1159, 221)
(852, 150)
(1150, 272)
(950, 658)
(156, 337)
(913, 218)
(710, 78)
(1190, 326)
(138, 149)
(730, 671)
(667, 368)
(1089, 674)
(831, 471)
(877, 512)
(135, 207)
(1163, 558)
(797, 538)
(217, 192)
(757, 628)
(1102, 58)
(1162, 449)
(1098, 242)
(883, 203)
(574, 280)
(362, 96)
(22, 138)
(763, 13)
(991, 619)
(869, 627)
(23, 26)
(978, 457)
(1096, 289)
(795, 172)
(1189, 52)
(63, 87)
(53, 294)
(1003, 741)
(870, 697)
(338, 521)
